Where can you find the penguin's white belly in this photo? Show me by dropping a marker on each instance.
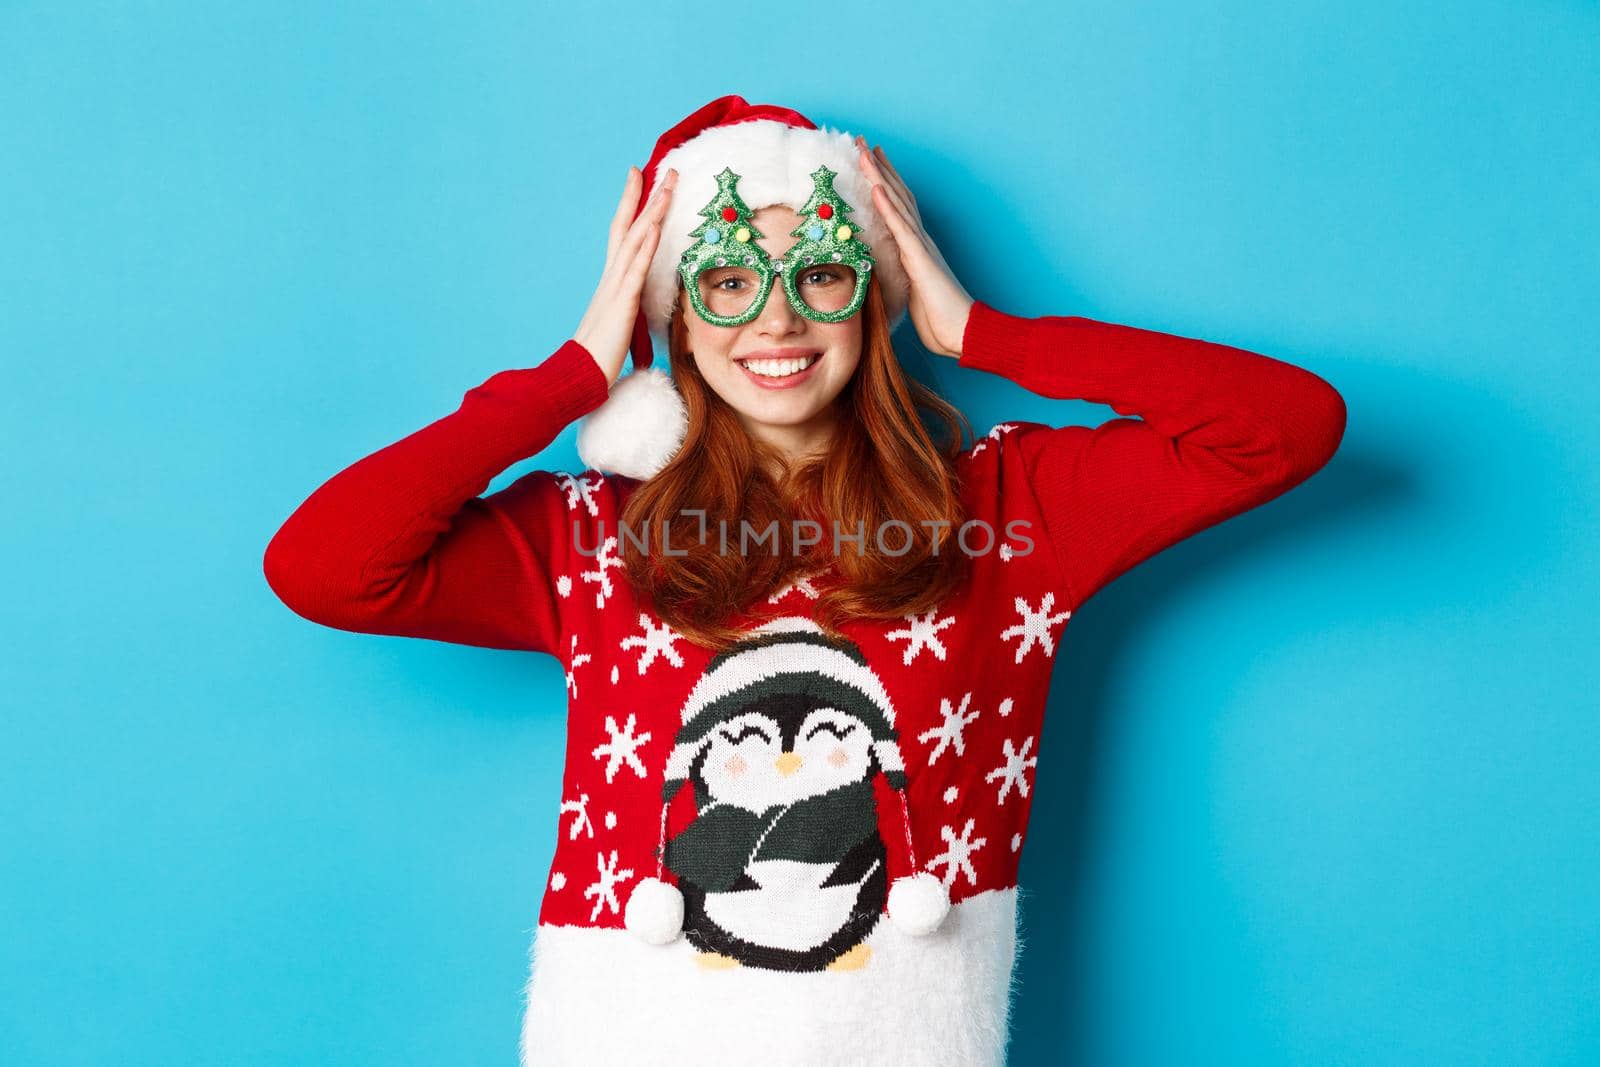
(791, 910)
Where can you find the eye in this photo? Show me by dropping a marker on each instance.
(730, 284)
(838, 730)
(820, 276)
(746, 732)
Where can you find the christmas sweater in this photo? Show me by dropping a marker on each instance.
(782, 786)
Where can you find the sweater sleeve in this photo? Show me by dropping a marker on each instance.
(401, 542)
(1218, 431)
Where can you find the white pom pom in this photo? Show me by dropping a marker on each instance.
(655, 911)
(918, 903)
(638, 429)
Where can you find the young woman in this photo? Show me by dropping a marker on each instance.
(807, 629)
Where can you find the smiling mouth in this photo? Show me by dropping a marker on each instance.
(779, 368)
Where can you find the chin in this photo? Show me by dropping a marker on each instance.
(783, 412)
(797, 419)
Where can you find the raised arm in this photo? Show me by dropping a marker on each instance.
(401, 542)
(1218, 431)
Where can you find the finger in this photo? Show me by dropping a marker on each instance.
(897, 186)
(624, 213)
(894, 177)
(876, 174)
(639, 267)
(913, 251)
(645, 231)
(878, 165)
(867, 162)
(653, 215)
(659, 198)
(907, 213)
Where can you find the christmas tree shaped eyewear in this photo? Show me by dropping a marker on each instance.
(728, 276)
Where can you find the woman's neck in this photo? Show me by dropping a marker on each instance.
(800, 441)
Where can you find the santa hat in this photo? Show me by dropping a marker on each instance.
(789, 655)
(774, 150)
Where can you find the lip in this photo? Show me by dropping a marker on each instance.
(780, 353)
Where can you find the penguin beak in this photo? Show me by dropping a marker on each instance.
(787, 763)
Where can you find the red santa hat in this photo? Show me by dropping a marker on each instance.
(641, 426)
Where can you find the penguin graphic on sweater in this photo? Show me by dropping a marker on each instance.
(783, 866)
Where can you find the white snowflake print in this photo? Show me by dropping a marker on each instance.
(951, 794)
(604, 560)
(1035, 626)
(801, 585)
(558, 881)
(1012, 773)
(614, 674)
(611, 820)
(1009, 552)
(575, 660)
(564, 585)
(622, 748)
(1005, 707)
(580, 808)
(580, 490)
(994, 434)
(957, 855)
(655, 641)
(949, 732)
(604, 889)
(922, 633)
(1016, 842)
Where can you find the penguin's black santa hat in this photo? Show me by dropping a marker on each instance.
(786, 656)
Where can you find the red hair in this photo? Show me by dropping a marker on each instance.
(884, 464)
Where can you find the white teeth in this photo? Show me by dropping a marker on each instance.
(778, 368)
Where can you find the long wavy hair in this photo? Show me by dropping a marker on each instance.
(892, 458)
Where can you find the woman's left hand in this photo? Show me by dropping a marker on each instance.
(939, 306)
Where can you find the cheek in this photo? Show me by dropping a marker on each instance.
(702, 337)
(710, 353)
(838, 757)
(736, 766)
(844, 348)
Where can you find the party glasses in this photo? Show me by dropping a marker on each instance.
(729, 277)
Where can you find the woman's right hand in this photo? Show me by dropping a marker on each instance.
(607, 327)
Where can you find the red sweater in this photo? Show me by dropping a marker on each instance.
(401, 542)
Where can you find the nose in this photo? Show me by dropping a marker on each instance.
(788, 763)
(777, 318)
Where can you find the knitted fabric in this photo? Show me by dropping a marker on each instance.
(798, 969)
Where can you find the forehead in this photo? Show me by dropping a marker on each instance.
(775, 222)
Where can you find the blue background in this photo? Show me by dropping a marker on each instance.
(1319, 785)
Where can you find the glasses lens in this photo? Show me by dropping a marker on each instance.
(728, 291)
(825, 287)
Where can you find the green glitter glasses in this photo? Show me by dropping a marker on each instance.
(728, 276)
